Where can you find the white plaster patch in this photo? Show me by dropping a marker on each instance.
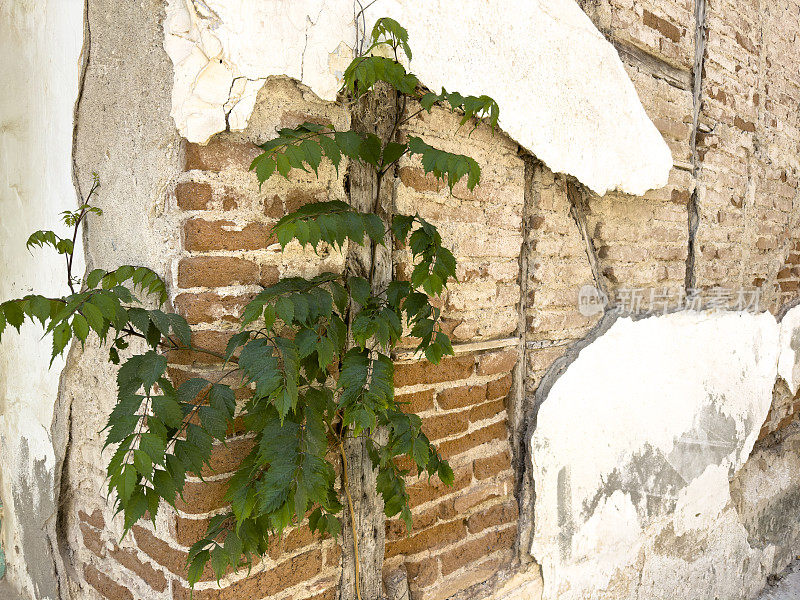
(643, 431)
(788, 363)
(562, 89)
(41, 44)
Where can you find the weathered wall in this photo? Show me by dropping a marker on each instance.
(526, 240)
(725, 222)
(41, 47)
(125, 134)
(643, 506)
(586, 121)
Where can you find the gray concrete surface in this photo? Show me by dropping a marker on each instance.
(785, 586)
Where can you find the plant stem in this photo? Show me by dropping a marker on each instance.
(352, 517)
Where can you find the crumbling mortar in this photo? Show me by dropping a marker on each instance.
(519, 403)
(693, 219)
(577, 209)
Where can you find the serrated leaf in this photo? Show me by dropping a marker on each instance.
(81, 327)
(393, 151)
(143, 463)
(359, 289)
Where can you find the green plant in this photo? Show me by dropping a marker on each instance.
(314, 354)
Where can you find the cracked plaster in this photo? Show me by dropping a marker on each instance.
(563, 91)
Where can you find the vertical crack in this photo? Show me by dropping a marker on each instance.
(577, 209)
(519, 405)
(693, 219)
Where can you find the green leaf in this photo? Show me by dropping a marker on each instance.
(374, 228)
(168, 410)
(62, 334)
(153, 446)
(445, 166)
(359, 289)
(143, 463)
(13, 313)
(391, 29)
(94, 318)
(219, 561)
(164, 485)
(152, 367)
(197, 566)
(370, 149)
(393, 151)
(180, 328)
(349, 142)
(81, 327)
(127, 482)
(284, 308)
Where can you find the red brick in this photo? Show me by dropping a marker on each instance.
(486, 411)
(459, 397)
(498, 388)
(746, 126)
(299, 197)
(202, 496)
(426, 490)
(491, 465)
(423, 573)
(92, 540)
(96, 519)
(333, 557)
(269, 275)
(493, 516)
(193, 196)
(495, 431)
(220, 154)
(216, 271)
(225, 458)
(264, 584)
(105, 586)
(188, 531)
(497, 362)
(210, 307)
(230, 199)
(213, 341)
(450, 369)
(396, 528)
(662, 25)
(480, 493)
(273, 207)
(475, 550)
(440, 426)
(416, 179)
(128, 559)
(437, 536)
(201, 235)
(417, 402)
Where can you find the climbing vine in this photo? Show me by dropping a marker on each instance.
(313, 355)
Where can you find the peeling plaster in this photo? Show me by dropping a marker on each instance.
(674, 408)
(563, 91)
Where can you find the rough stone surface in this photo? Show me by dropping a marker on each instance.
(586, 119)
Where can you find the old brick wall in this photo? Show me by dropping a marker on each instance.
(462, 535)
(523, 253)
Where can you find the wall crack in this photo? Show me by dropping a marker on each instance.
(693, 220)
